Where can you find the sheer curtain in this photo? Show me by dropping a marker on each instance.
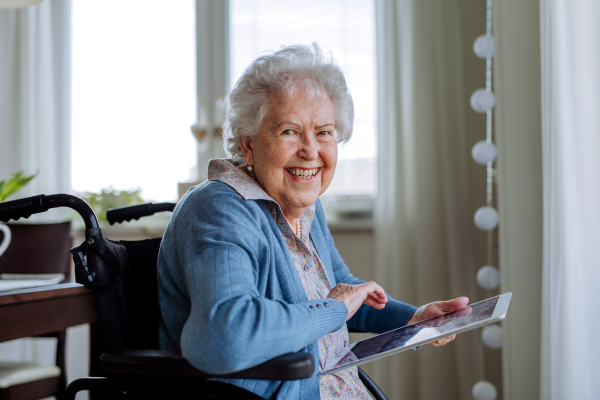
(35, 97)
(34, 127)
(571, 161)
(424, 217)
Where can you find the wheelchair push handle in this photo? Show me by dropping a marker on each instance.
(25, 207)
(127, 213)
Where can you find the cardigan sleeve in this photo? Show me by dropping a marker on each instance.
(395, 313)
(232, 327)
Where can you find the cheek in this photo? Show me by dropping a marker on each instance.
(330, 155)
(330, 158)
(274, 155)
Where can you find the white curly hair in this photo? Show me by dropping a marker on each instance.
(288, 69)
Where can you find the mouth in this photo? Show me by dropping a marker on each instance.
(302, 173)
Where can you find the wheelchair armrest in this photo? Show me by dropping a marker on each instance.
(166, 363)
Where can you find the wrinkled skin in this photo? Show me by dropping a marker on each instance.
(356, 295)
(299, 132)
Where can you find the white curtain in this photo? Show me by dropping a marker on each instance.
(34, 126)
(424, 217)
(35, 97)
(570, 39)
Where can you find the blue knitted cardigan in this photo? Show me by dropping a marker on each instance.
(230, 296)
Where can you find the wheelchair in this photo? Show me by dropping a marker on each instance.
(122, 276)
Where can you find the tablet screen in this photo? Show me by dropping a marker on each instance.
(423, 331)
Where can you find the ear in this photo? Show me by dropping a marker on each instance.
(247, 149)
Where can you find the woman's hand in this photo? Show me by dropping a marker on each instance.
(438, 308)
(356, 295)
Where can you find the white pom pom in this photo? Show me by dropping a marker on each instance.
(486, 218)
(484, 152)
(491, 336)
(483, 47)
(482, 100)
(484, 390)
(488, 277)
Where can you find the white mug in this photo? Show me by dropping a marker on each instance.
(6, 240)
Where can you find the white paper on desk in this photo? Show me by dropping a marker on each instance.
(36, 277)
(26, 281)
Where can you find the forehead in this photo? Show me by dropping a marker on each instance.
(303, 103)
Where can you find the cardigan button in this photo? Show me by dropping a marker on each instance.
(318, 306)
(312, 307)
(326, 304)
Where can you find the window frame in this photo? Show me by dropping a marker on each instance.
(212, 42)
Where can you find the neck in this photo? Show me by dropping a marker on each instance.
(292, 213)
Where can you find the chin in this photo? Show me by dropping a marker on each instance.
(306, 201)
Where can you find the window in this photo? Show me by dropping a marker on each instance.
(344, 27)
(134, 88)
(133, 96)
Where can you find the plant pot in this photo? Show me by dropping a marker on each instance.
(38, 249)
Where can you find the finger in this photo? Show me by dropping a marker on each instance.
(464, 312)
(376, 292)
(377, 304)
(448, 339)
(377, 299)
(451, 305)
(437, 343)
(442, 342)
(374, 295)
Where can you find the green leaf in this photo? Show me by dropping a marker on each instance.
(14, 184)
(110, 198)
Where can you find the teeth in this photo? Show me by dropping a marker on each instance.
(303, 173)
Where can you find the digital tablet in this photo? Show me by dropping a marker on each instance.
(423, 332)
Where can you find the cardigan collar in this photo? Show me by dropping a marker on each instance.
(229, 172)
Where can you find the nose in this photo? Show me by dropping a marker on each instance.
(309, 148)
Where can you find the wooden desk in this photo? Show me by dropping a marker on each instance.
(46, 309)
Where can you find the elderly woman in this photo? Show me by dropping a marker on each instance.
(248, 269)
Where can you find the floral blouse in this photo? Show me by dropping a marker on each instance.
(343, 384)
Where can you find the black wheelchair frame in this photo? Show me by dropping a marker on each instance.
(122, 277)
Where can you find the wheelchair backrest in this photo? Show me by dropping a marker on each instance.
(128, 310)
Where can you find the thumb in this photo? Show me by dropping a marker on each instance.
(451, 305)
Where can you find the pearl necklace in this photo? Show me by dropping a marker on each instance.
(299, 229)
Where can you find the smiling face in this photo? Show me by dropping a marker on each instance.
(295, 152)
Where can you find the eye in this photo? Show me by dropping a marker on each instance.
(324, 133)
(287, 132)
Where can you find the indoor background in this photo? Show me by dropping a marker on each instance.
(126, 97)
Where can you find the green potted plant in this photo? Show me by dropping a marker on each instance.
(111, 198)
(34, 248)
(8, 187)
